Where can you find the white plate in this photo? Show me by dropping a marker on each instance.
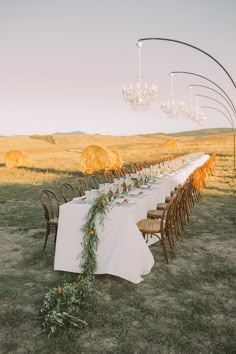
(124, 201)
(80, 200)
(138, 193)
(145, 186)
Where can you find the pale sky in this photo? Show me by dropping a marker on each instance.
(64, 63)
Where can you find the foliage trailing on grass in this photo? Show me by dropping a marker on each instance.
(61, 308)
(48, 138)
(62, 305)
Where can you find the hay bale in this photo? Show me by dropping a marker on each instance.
(115, 158)
(94, 158)
(15, 158)
(169, 144)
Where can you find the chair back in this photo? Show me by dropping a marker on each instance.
(119, 173)
(125, 170)
(139, 167)
(67, 192)
(109, 177)
(94, 182)
(134, 169)
(81, 185)
(50, 204)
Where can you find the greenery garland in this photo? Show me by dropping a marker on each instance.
(62, 305)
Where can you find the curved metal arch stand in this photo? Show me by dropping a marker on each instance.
(139, 42)
(211, 81)
(230, 120)
(210, 88)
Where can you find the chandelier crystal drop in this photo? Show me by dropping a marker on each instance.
(140, 96)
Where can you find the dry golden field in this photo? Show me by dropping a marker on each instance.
(64, 154)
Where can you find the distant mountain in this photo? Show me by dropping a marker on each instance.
(70, 133)
(203, 132)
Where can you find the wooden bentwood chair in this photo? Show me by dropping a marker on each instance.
(50, 205)
(160, 228)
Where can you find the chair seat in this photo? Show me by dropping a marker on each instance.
(167, 199)
(149, 226)
(178, 186)
(53, 221)
(161, 206)
(154, 214)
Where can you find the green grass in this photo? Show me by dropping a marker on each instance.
(203, 132)
(187, 306)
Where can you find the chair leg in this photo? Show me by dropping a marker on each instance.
(55, 237)
(164, 249)
(46, 236)
(170, 237)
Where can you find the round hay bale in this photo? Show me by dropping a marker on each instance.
(15, 158)
(115, 158)
(169, 144)
(94, 158)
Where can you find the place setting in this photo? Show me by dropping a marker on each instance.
(124, 202)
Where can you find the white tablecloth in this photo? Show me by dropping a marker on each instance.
(122, 251)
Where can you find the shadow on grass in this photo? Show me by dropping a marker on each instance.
(52, 170)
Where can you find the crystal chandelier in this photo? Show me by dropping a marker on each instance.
(140, 97)
(193, 112)
(173, 108)
(196, 115)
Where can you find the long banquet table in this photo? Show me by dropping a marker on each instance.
(122, 251)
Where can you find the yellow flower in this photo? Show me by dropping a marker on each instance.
(91, 232)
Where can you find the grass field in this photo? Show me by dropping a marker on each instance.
(187, 306)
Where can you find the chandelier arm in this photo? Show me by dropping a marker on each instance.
(188, 45)
(203, 77)
(228, 118)
(172, 87)
(139, 64)
(229, 103)
(190, 96)
(213, 99)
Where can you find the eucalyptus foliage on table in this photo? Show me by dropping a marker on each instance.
(62, 305)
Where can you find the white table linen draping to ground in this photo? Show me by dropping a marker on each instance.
(122, 251)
